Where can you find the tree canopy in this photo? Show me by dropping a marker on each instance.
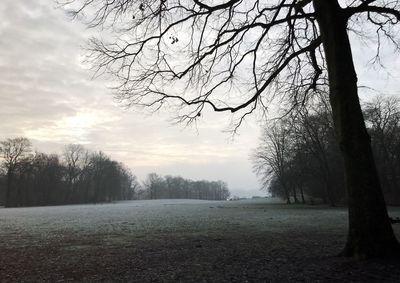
(231, 56)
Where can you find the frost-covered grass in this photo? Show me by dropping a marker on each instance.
(158, 236)
(130, 218)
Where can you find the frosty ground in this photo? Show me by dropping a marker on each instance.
(182, 241)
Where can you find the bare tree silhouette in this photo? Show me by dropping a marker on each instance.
(13, 152)
(235, 55)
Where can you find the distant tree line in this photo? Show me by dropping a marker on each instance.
(171, 187)
(29, 178)
(298, 158)
(77, 176)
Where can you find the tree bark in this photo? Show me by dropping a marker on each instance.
(370, 231)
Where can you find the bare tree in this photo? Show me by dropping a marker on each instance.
(383, 114)
(153, 184)
(134, 187)
(316, 131)
(274, 156)
(75, 158)
(13, 151)
(300, 153)
(234, 55)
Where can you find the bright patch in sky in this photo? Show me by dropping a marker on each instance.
(75, 129)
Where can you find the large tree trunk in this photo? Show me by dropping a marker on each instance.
(370, 231)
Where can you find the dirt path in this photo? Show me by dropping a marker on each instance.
(181, 241)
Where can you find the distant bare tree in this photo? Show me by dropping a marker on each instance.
(134, 187)
(43, 180)
(383, 114)
(13, 151)
(235, 55)
(76, 158)
(273, 156)
(154, 184)
(317, 132)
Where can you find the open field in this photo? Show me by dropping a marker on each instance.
(182, 241)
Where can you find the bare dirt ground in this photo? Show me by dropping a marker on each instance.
(182, 241)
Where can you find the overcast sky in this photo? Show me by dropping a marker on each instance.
(47, 95)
